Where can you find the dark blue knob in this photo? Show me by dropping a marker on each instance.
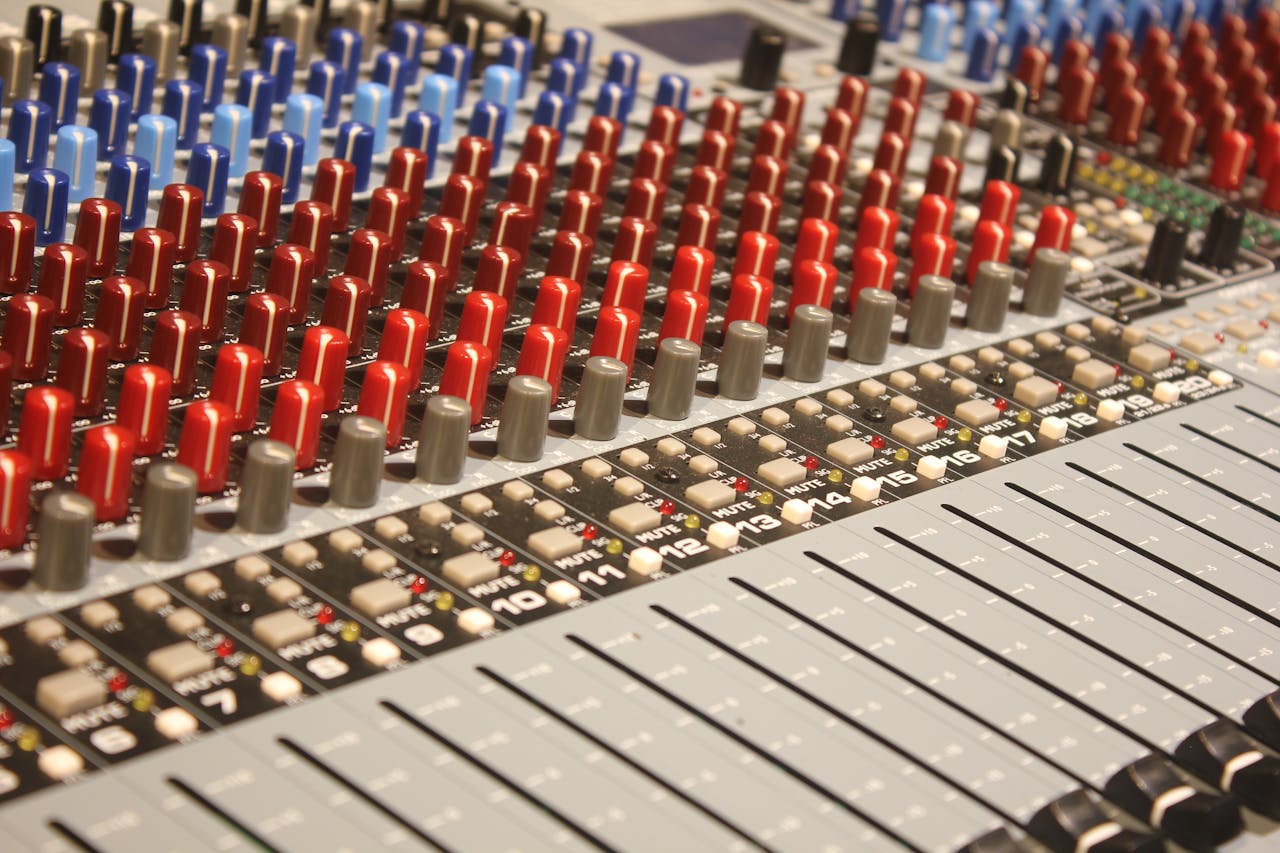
(355, 144)
(517, 53)
(614, 101)
(1027, 35)
(673, 91)
(59, 88)
(575, 46)
(490, 121)
(325, 82)
(1069, 29)
(257, 88)
(406, 38)
(128, 182)
(422, 131)
(280, 60)
(182, 103)
(624, 69)
(208, 67)
(46, 203)
(982, 59)
(1109, 21)
(343, 50)
(109, 116)
(391, 69)
(844, 10)
(136, 77)
(892, 15)
(284, 157)
(455, 62)
(554, 110)
(207, 172)
(565, 76)
(30, 123)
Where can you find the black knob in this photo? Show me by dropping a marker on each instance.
(1163, 265)
(437, 11)
(1062, 824)
(1222, 239)
(762, 60)
(44, 30)
(115, 18)
(466, 29)
(1059, 165)
(1002, 164)
(255, 12)
(531, 24)
(996, 841)
(1222, 756)
(858, 49)
(1014, 96)
(187, 15)
(1150, 790)
(1263, 719)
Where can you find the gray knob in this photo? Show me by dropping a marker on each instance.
(65, 532)
(599, 407)
(88, 52)
(17, 66)
(160, 41)
(522, 429)
(950, 140)
(675, 378)
(1042, 293)
(989, 299)
(266, 486)
(298, 24)
(805, 357)
(356, 478)
(742, 360)
(442, 443)
(231, 33)
(363, 18)
(1006, 130)
(168, 511)
(872, 322)
(930, 311)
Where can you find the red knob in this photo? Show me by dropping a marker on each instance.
(910, 85)
(473, 157)
(1268, 150)
(235, 237)
(15, 498)
(311, 228)
(664, 126)
(626, 285)
(645, 198)
(119, 314)
(498, 271)
(557, 303)
(266, 319)
(934, 215)
(483, 317)
(749, 298)
(82, 369)
(788, 107)
(616, 335)
(530, 184)
(293, 267)
(1230, 160)
(389, 212)
(346, 308)
(767, 175)
(333, 185)
(592, 172)
(891, 154)
(462, 200)
(684, 317)
(707, 186)
(603, 135)
(877, 227)
(6, 390)
(724, 115)
(879, 190)
(852, 95)
(44, 431)
(144, 406)
(827, 164)
(571, 255)
(17, 251)
(813, 282)
(98, 233)
(581, 213)
(840, 128)
(757, 255)
(295, 420)
(28, 332)
(692, 270)
(369, 257)
(773, 139)
(901, 119)
(63, 273)
(1054, 230)
(1033, 63)
(106, 470)
(542, 354)
(466, 374)
(442, 243)
(173, 347)
(821, 201)
(635, 241)
(181, 206)
(1128, 110)
(933, 254)
(760, 212)
(151, 260)
(407, 171)
(260, 200)
(384, 396)
(1000, 202)
(204, 294)
(425, 286)
(944, 176)
(872, 268)
(541, 146)
(204, 445)
(816, 241)
(404, 341)
(715, 151)
(323, 360)
(990, 243)
(654, 161)
(237, 383)
(1178, 139)
(962, 107)
(1077, 88)
(699, 226)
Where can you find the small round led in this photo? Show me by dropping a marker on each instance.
(1001, 404)
(810, 463)
(941, 422)
(225, 647)
(350, 632)
(1080, 399)
(29, 740)
(667, 507)
(6, 719)
(444, 601)
(590, 532)
(965, 434)
(1024, 417)
(741, 484)
(143, 701)
(614, 547)
(1192, 365)
(118, 682)
(508, 558)
(325, 615)
(418, 585)
(835, 476)
(531, 574)
(692, 522)
(765, 498)
(251, 665)
(901, 454)
(877, 442)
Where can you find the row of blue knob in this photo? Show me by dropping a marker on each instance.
(212, 164)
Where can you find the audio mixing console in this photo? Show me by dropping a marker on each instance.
(750, 425)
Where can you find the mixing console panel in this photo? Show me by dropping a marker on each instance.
(758, 425)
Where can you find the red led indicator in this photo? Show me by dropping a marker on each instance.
(667, 507)
(118, 682)
(325, 616)
(810, 463)
(419, 585)
(940, 422)
(741, 484)
(590, 532)
(1001, 404)
(508, 558)
(225, 648)
(877, 442)
(6, 719)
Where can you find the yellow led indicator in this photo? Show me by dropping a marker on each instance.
(765, 498)
(1024, 417)
(615, 546)
(1139, 293)
(1192, 365)
(350, 632)
(901, 454)
(251, 665)
(835, 477)
(1242, 348)
(143, 701)
(692, 522)
(29, 740)
(1080, 399)
(532, 574)
(444, 601)
(965, 434)
(1137, 382)
(1118, 163)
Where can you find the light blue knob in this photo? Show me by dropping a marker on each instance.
(303, 116)
(156, 142)
(502, 86)
(439, 96)
(373, 107)
(935, 32)
(232, 130)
